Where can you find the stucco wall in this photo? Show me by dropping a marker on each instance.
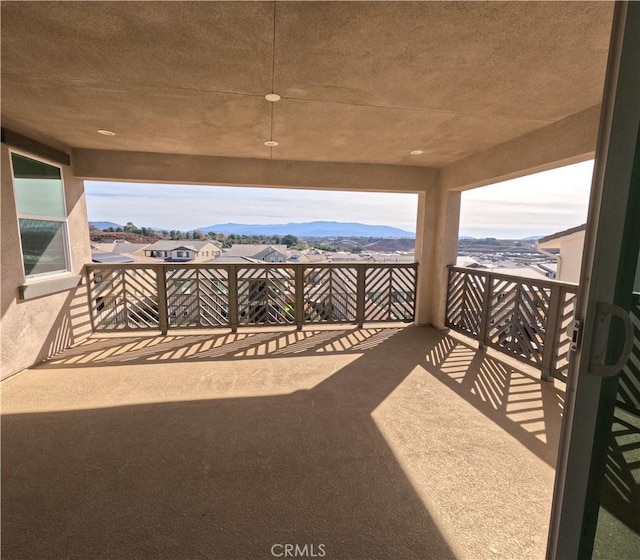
(33, 330)
(571, 254)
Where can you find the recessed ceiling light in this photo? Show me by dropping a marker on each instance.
(416, 152)
(105, 132)
(271, 143)
(273, 97)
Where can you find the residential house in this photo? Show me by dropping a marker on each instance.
(566, 247)
(263, 253)
(183, 251)
(119, 251)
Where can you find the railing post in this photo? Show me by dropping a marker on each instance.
(416, 269)
(299, 295)
(233, 297)
(551, 334)
(483, 335)
(163, 314)
(360, 295)
(92, 317)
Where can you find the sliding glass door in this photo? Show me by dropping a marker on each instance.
(596, 512)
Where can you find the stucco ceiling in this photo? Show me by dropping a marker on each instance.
(360, 82)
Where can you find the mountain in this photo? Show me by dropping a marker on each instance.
(105, 225)
(311, 229)
(532, 238)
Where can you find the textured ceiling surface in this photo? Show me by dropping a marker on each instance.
(360, 81)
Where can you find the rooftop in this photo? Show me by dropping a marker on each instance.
(109, 257)
(170, 245)
(119, 247)
(252, 250)
(564, 233)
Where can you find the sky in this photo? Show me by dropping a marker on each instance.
(186, 207)
(538, 204)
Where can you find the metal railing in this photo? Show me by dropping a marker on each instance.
(179, 296)
(526, 318)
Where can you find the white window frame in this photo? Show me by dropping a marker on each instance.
(65, 225)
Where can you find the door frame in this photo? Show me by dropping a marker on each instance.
(589, 397)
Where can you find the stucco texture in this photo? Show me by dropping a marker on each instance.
(33, 330)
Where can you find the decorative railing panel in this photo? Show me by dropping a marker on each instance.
(171, 296)
(389, 293)
(124, 298)
(197, 297)
(465, 295)
(266, 295)
(518, 318)
(330, 294)
(527, 318)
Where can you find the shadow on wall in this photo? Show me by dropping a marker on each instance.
(48, 324)
(71, 326)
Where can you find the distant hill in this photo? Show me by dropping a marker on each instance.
(105, 225)
(390, 245)
(532, 238)
(311, 229)
(111, 237)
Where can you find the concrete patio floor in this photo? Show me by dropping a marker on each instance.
(380, 443)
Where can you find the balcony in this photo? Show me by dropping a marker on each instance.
(158, 437)
(381, 442)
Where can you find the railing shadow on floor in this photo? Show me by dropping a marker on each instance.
(229, 477)
(222, 478)
(511, 395)
(135, 349)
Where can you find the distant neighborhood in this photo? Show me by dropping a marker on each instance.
(556, 256)
(114, 243)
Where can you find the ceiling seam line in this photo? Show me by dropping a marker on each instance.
(313, 100)
(273, 71)
(271, 135)
(273, 49)
(425, 109)
(134, 84)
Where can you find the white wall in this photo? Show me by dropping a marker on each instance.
(571, 254)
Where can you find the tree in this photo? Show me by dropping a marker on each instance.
(289, 240)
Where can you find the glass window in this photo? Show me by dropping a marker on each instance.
(40, 204)
(38, 187)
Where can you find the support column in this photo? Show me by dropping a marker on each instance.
(436, 248)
